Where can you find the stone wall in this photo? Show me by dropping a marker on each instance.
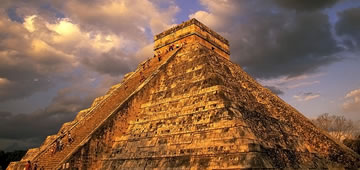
(201, 112)
(190, 32)
(192, 21)
(178, 120)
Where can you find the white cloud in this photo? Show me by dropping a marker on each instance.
(301, 84)
(352, 102)
(29, 23)
(354, 93)
(306, 97)
(69, 37)
(205, 17)
(288, 83)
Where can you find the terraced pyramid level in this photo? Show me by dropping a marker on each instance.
(194, 109)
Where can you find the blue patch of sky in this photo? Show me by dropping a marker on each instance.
(338, 79)
(148, 33)
(342, 76)
(187, 7)
(51, 9)
(11, 12)
(333, 15)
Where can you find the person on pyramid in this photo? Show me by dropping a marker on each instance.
(28, 165)
(70, 139)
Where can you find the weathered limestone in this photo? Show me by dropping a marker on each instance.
(195, 110)
(191, 31)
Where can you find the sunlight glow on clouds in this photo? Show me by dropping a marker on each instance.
(352, 101)
(64, 28)
(354, 93)
(205, 17)
(4, 81)
(82, 47)
(29, 23)
(78, 46)
(69, 34)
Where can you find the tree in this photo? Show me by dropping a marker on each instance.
(337, 126)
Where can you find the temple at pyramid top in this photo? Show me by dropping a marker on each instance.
(191, 31)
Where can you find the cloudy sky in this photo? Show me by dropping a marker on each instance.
(57, 56)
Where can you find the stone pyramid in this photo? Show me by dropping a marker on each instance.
(190, 107)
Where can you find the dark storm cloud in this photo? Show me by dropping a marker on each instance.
(306, 5)
(24, 130)
(348, 26)
(284, 44)
(271, 42)
(23, 87)
(23, 126)
(113, 62)
(42, 122)
(275, 90)
(23, 144)
(15, 128)
(26, 62)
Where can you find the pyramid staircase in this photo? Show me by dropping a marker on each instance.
(82, 130)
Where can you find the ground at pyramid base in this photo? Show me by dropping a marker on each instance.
(190, 107)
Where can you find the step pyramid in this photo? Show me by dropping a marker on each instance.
(193, 109)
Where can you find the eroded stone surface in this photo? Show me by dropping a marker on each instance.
(194, 110)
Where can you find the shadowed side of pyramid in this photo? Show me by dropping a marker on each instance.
(202, 111)
(286, 137)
